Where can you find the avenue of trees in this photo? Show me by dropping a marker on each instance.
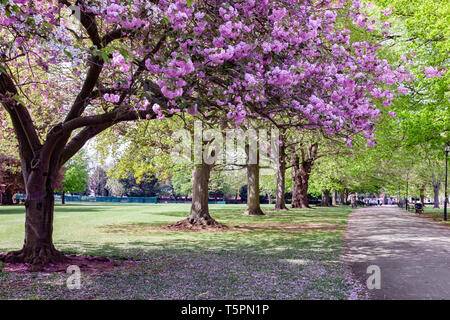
(358, 93)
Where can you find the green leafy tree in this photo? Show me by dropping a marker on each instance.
(115, 187)
(181, 180)
(76, 175)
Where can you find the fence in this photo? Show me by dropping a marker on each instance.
(101, 199)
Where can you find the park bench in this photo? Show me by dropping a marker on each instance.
(418, 208)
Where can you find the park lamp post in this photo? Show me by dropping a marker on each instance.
(447, 150)
(407, 178)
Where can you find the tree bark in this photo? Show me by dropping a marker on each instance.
(301, 171)
(38, 248)
(436, 187)
(63, 198)
(422, 195)
(280, 203)
(342, 194)
(253, 204)
(334, 198)
(326, 198)
(199, 209)
(300, 178)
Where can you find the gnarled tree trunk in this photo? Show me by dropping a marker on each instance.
(280, 203)
(253, 204)
(38, 248)
(199, 209)
(300, 178)
(301, 171)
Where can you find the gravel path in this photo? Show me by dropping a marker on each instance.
(413, 254)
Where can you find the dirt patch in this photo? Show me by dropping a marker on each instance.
(130, 228)
(289, 227)
(185, 225)
(87, 264)
(145, 228)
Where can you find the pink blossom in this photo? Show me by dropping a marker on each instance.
(392, 114)
(387, 12)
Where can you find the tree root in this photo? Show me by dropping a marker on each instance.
(197, 225)
(280, 208)
(254, 212)
(299, 206)
(37, 256)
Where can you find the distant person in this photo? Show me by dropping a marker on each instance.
(353, 201)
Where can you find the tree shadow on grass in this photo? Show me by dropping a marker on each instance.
(255, 242)
(68, 208)
(183, 269)
(14, 209)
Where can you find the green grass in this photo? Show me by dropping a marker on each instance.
(436, 214)
(269, 260)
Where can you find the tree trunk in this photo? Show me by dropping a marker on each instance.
(253, 205)
(300, 175)
(38, 248)
(280, 203)
(342, 194)
(334, 198)
(326, 198)
(199, 208)
(422, 195)
(300, 178)
(436, 187)
(63, 197)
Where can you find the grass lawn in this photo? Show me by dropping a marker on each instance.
(436, 214)
(284, 255)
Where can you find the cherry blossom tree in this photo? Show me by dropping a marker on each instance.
(11, 180)
(121, 61)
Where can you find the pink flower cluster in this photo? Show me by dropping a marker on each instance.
(113, 98)
(286, 59)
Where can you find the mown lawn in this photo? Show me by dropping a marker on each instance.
(436, 214)
(294, 254)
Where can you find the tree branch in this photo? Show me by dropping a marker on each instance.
(22, 122)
